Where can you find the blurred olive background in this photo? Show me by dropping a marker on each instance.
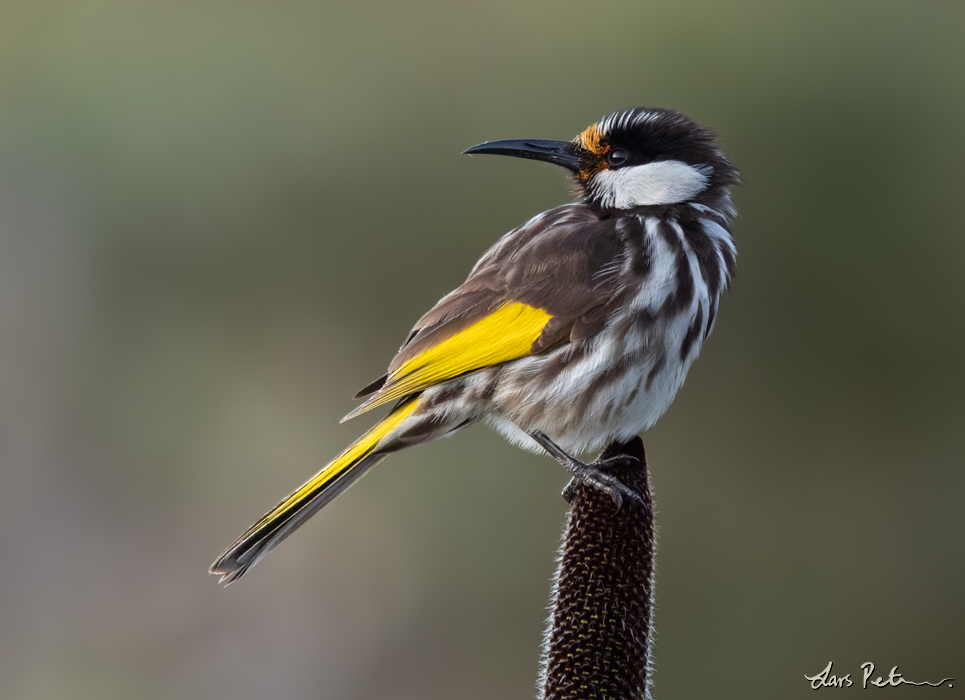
(218, 220)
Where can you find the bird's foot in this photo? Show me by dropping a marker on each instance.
(593, 474)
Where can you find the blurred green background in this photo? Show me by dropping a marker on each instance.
(218, 220)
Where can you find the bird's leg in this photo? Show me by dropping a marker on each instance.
(593, 474)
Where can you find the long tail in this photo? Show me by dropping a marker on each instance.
(287, 516)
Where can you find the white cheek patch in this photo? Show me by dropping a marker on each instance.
(660, 182)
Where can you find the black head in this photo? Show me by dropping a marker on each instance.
(634, 158)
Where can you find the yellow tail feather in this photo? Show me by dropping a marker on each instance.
(283, 519)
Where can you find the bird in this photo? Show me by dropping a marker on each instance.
(573, 331)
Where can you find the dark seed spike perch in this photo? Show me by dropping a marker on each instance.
(598, 644)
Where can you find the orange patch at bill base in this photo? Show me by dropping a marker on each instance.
(592, 140)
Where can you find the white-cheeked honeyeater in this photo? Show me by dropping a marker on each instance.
(573, 331)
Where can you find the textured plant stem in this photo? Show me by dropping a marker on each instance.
(598, 640)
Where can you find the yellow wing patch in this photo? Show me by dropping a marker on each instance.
(507, 333)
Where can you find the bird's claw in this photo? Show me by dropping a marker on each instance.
(570, 490)
(593, 474)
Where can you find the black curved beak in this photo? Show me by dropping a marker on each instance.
(557, 152)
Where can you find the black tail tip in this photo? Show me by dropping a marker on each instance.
(229, 571)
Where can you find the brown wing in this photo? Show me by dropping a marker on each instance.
(552, 281)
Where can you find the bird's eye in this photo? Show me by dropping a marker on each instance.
(617, 156)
